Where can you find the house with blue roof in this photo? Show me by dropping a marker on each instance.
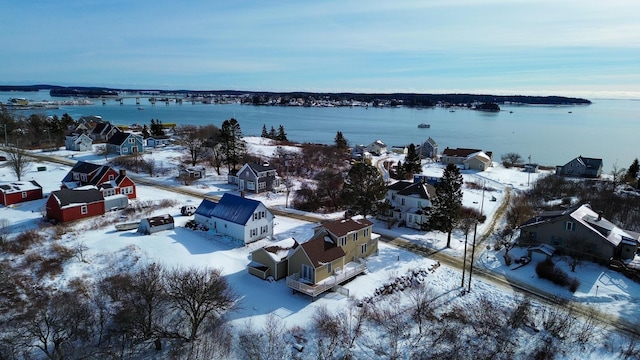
(238, 217)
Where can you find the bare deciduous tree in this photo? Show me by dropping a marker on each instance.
(18, 161)
(200, 295)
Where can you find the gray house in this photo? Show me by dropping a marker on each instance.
(581, 167)
(580, 231)
(256, 178)
(429, 149)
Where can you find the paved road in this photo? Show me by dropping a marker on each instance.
(495, 279)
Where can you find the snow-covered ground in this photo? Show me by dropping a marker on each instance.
(109, 250)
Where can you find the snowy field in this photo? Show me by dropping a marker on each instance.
(110, 251)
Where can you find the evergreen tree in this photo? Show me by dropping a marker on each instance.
(445, 207)
(632, 172)
(363, 189)
(264, 134)
(272, 133)
(282, 135)
(340, 141)
(145, 131)
(412, 161)
(233, 147)
(401, 174)
(156, 128)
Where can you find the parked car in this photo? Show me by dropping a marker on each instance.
(188, 210)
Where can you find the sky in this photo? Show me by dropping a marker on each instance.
(581, 48)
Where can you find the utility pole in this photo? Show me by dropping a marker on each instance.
(473, 250)
(464, 259)
(529, 170)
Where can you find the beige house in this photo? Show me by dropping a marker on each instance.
(473, 159)
(271, 260)
(334, 254)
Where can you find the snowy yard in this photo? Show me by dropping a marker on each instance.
(110, 251)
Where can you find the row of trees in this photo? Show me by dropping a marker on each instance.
(118, 316)
(280, 135)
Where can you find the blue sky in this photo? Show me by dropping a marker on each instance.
(562, 47)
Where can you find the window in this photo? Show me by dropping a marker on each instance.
(402, 202)
(83, 177)
(83, 209)
(343, 241)
(125, 150)
(76, 176)
(393, 196)
(254, 232)
(24, 194)
(111, 177)
(329, 268)
(251, 185)
(363, 248)
(262, 185)
(570, 226)
(355, 237)
(132, 140)
(126, 190)
(366, 232)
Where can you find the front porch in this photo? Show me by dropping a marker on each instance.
(351, 270)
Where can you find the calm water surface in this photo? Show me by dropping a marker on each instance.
(552, 135)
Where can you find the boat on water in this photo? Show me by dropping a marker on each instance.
(424, 126)
(140, 108)
(127, 226)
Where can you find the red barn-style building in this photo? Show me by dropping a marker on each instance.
(106, 179)
(19, 191)
(67, 205)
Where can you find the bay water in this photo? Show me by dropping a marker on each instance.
(551, 135)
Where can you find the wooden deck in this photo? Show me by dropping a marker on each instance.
(351, 270)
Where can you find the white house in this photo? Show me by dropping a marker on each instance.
(244, 219)
(409, 202)
(78, 142)
(377, 147)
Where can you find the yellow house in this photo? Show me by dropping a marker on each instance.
(271, 260)
(334, 254)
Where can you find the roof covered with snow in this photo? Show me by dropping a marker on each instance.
(232, 208)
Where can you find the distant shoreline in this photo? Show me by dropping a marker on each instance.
(281, 98)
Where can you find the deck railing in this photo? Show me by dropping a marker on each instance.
(313, 290)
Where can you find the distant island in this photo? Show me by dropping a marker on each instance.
(473, 101)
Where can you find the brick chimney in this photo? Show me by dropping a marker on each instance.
(123, 172)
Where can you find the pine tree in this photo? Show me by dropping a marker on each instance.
(412, 161)
(272, 133)
(340, 141)
(233, 147)
(282, 135)
(363, 189)
(401, 174)
(445, 207)
(632, 172)
(264, 134)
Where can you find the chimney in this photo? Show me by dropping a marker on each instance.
(123, 172)
(599, 216)
(241, 194)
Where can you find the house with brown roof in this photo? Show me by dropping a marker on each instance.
(470, 159)
(335, 253)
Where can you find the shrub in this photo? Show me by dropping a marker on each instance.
(548, 270)
(22, 242)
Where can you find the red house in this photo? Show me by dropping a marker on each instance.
(19, 191)
(106, 179)
(67, 205)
